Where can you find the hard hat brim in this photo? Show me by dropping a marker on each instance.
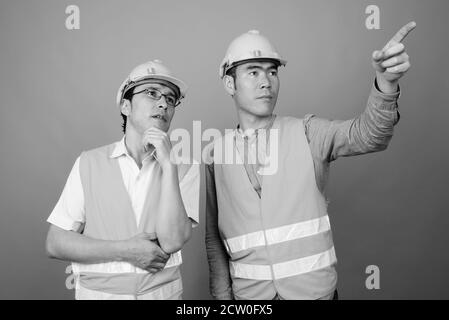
(225, 68)
(182, 87)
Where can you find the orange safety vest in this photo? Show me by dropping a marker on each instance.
(280, 243)
(110, 216)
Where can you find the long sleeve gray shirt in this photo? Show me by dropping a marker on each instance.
(328, 140)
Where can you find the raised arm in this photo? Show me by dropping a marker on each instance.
(369, 132)
(173, 226)
(373, 129)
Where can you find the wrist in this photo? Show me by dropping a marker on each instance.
(121, 250)
(386, 86)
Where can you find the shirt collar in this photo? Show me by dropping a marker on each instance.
(250, 132)
(119, 149)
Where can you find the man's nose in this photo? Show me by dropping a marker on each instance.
(264, 81)
(162, 103)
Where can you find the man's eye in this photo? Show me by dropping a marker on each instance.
(170, 100)
(253, 73)
(274, 73)
(153, 93)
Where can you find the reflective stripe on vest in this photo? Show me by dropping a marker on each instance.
(164, 292)
(122, 267)
(278, 235)
(284, 269)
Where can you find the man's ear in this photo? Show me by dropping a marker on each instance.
(229, 84)
(125, 107)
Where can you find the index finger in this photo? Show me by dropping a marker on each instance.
(402, 33)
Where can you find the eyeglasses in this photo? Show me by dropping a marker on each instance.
(156, 95)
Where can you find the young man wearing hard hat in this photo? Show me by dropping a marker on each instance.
(269, 236)
(127, 209)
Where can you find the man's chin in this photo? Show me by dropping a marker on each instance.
(265, 111)
(160, 125)
(265, 107)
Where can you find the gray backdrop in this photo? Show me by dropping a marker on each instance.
(57, 98)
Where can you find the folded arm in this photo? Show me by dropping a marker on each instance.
(65, 240)
(72, 246)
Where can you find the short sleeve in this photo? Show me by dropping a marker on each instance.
(190, 192)
(69, 212)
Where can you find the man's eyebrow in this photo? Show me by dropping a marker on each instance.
(253, 66)
(257, 67)
(160, 88)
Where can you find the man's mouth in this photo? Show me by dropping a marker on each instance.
(159, 117)
(266, 97)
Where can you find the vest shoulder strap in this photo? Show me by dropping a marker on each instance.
(182, 170)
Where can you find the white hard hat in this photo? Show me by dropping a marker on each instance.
(151, 70)
(249, 46)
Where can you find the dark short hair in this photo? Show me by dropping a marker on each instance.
(127, 96)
